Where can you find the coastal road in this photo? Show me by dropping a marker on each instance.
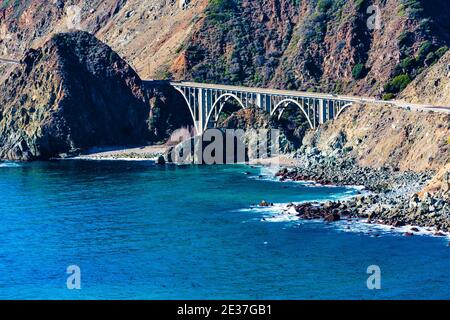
(9, 61)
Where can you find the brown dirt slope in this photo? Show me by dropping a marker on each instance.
(146, 33)
(386, 136)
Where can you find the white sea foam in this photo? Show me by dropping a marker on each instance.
(280, 213)
(376, 229)
(276, 213)
(10, 164)
(268, 174)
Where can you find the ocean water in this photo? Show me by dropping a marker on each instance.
(138, 231)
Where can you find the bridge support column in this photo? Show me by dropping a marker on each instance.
(259, 101)
(323, 114)
(201, 104)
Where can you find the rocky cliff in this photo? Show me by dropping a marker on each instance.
(392, 152)
(72, 94)
(373, 47)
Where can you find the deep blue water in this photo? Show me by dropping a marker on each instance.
(141, 231)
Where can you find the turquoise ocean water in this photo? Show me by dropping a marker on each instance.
(138, 231)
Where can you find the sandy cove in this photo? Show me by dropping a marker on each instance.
(123, 153)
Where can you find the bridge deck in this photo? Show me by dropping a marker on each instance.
(313, 95)
(272, 91)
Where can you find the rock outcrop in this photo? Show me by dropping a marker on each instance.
(258, 129)
(168, 112)
(394, 153)
(394, 197)
(73, 93)
(439, 186)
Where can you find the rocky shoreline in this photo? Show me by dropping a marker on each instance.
(391, 197)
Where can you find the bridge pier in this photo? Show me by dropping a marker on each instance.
(202, 105)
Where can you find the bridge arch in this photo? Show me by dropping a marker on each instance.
(342, 109)
(288, 101)
(190, 109)
(227, 97)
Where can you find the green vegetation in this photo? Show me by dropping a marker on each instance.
(221, 10)
(5, 4)
(19, 5)
(359, 4)
(358, 71)
(324, 5)
(413, 64)
(424, 50)
(388, 96)
(398, 84)
(411, 8)
(163, 73)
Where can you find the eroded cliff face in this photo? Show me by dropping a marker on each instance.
(439, 186)
(323, 45)
(326, 45)
(73, 93)
(386, 136)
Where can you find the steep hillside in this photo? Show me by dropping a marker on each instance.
(440, 184)
(322, 45)
(385, 136)
(325, 45)
(146, 33)
(432, 86)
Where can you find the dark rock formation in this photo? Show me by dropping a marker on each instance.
(251, 120)
(393, 201)
(168, 111)
(73, 93)
(76, 93)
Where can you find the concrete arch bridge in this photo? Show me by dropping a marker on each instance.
(206, 101)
